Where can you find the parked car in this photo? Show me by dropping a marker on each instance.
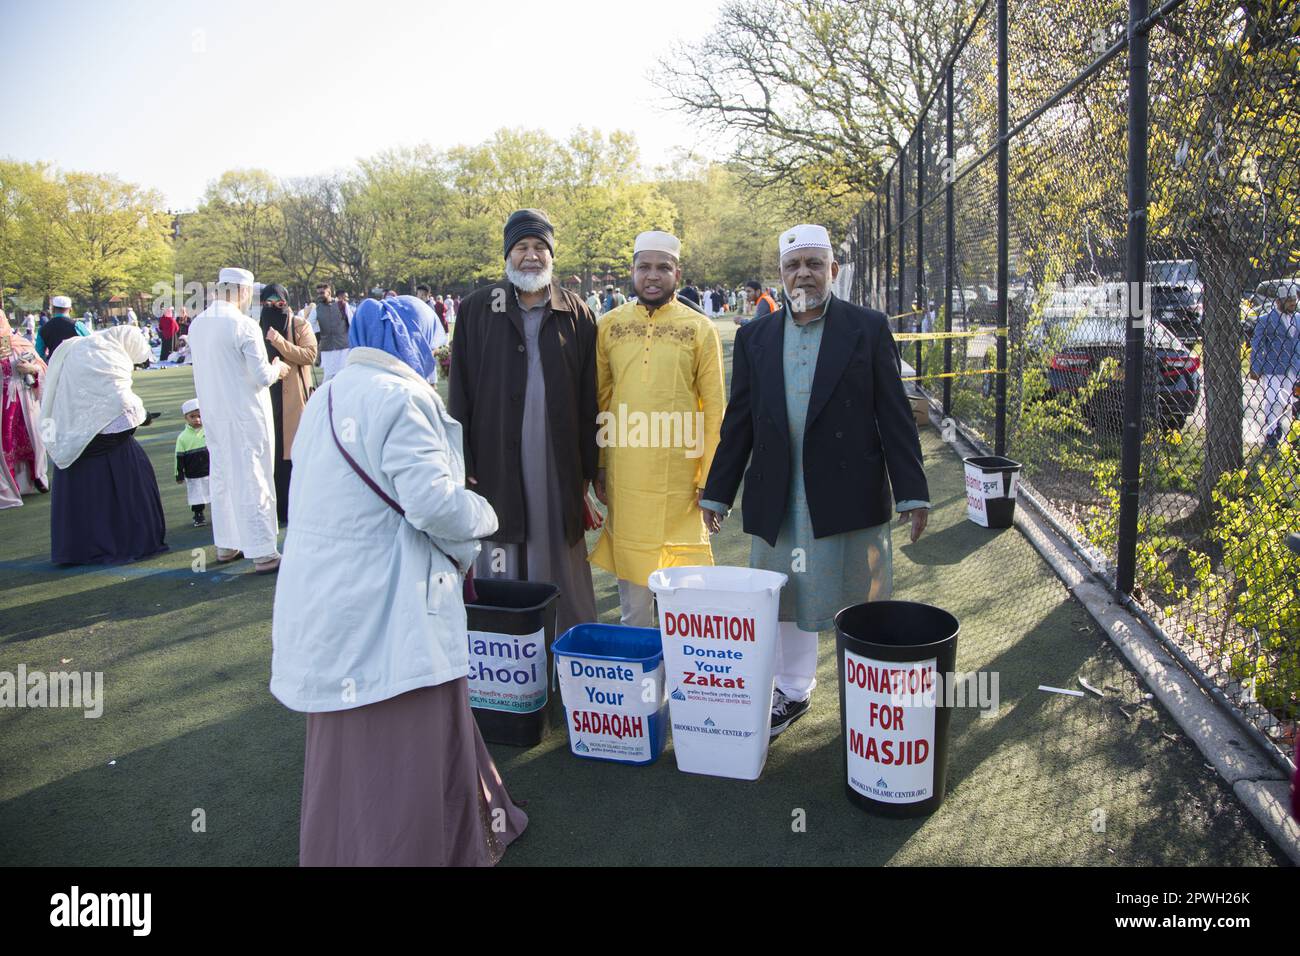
(1173, 271)
(962, 300)
(1073, 353)
(1180, 307)
(1255, 305)
(982, 309)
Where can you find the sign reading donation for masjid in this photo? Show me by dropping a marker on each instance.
(889, 718)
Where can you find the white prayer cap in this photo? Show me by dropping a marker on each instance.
(656, 241)
(60, 302)
(804, 236)
(235, 276)
(191, 406)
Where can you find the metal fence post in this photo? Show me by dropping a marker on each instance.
(902, 234)
(1135, 275)
(875, 253)
(889, 243)
(949, 244)
(920, 231)
(1004, 240)
(871, 256)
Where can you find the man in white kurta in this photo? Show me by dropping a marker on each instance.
(232, 378)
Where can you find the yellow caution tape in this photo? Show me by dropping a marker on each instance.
(985, 371)
(930, 336)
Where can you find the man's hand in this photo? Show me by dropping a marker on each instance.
(284, 369)
(598, 486)
(919, 518)
(1254, 376)
(712, 520)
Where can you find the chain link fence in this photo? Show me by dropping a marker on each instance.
(1086, 248)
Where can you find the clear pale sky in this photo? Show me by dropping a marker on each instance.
(169, 95)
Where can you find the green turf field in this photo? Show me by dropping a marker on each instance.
(189, 725)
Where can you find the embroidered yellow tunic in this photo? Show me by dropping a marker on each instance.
(661, 395)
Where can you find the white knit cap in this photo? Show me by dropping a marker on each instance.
(235, 276)
(656, 241)
(804, 236)
(191, 406)
(1288, 290)
(60, 302)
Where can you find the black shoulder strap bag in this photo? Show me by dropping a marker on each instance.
(470, 594)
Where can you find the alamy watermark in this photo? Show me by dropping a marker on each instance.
(637, 429)
(76, 689)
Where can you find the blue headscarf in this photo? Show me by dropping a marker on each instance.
(403, 327)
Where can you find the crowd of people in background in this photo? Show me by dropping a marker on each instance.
(168, 330)
(750, 301)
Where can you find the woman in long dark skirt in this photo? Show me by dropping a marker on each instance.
(105, 507)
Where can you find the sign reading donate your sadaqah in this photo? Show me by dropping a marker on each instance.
(614, 704)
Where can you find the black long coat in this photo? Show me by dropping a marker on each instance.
(859, 437)
(489, 370)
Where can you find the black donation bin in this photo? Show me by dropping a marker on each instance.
(895, 659)
(511, 629)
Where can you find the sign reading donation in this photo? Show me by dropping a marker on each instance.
(615, 701)
(507, 672)
(715, 671)
(889, 712)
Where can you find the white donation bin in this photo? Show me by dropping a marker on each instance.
(719, 629)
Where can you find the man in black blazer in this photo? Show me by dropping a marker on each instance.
(820, 427)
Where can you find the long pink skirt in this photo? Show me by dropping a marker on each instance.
(404, 782)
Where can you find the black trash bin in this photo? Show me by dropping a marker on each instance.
(895, 658)
(991, 482)
(511, 630)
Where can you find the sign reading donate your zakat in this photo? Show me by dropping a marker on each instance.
(889, 717)
(711, 656)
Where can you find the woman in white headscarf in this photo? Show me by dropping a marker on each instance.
(105, 507)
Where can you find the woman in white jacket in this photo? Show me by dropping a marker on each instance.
(369, 630)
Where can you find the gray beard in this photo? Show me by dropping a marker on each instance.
(799, 303)
(527, 281)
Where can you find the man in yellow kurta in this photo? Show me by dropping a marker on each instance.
(659, 384)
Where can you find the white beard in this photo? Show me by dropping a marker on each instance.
(529, 281)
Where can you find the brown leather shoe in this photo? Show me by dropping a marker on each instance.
(225, 557)
(266, 567)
